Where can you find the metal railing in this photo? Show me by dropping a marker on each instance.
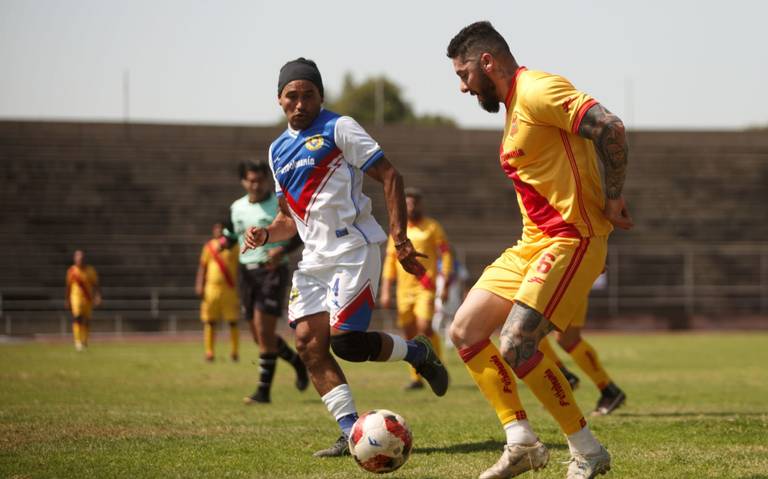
(696, 280)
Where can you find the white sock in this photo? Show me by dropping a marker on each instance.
(339, 401)
(520, 432)
(399, 348)
(583, 442)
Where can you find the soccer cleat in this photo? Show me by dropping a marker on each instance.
(611, 399)
(209, 357)
(258, 397)
(302, 380)
(517, 459)
(432, 369)
(573, 380)
(234, 357)
(338, 449)
(587, 467)
(414, 386)
(79, 347)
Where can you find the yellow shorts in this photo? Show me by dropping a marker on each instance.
(220, 303)
(580, 316)
(553, 277)
(81, 309)
(415, 304)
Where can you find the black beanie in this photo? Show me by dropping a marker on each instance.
(299, 69)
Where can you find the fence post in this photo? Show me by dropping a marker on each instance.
(62, 325)
(119, 326)
(689, 282)
(613, 282)
(154, 303)
(8, 327)
(172, 327)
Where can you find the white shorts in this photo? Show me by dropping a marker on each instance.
(345, 287)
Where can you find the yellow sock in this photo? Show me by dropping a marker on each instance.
(495, 380)
(544, 379)
(546, 347)
(586, 357)
(437, 344)
(84, 330)
(76, 333)
(234, 338)
(209, 336)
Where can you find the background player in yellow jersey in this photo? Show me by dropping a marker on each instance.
(416, 296)
(552, 135)
(83, 293)
(585, 355)
(216, 284)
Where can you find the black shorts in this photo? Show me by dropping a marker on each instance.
(262, 289)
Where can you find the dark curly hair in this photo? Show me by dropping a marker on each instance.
(478, 37)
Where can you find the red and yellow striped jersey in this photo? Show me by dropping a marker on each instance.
(81, 282)
(554, 170)
(220, 265)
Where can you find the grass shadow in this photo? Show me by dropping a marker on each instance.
(470, 447)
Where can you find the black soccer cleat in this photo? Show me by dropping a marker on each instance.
(338, 449)
(259, 397)
(572, 379)
(611, 398)
(432, 369)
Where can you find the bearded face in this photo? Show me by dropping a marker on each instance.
(486, 93)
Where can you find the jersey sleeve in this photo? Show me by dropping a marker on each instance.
(359, 149)
(389, 269)
(205, 256)
(553, 100)
(278, 190)
(94, 276)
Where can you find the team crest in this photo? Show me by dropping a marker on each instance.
(314, 143)
(513, 125)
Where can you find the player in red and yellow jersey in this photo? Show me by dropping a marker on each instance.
(216, 284)
(416, 296)
(83, 293)
(553, 136)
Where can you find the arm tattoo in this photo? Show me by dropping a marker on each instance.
(607, 132)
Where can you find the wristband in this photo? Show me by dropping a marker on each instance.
(266, 239)
(401, 243)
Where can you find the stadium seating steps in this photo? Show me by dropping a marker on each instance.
(140, 200)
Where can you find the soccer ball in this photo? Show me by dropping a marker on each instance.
(380, 441)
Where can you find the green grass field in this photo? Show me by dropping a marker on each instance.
(698, 408)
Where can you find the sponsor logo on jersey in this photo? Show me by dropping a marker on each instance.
(510, 155)
(536, 279)
(567, 104)
(308, 161)
(314, 143)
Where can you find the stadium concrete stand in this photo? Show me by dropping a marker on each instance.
(140, 200)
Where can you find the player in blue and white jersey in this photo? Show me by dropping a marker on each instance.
(319, 163)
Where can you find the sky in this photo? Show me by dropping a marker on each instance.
(671, 64)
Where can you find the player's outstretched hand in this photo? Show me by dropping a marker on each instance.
(254, 237)
(618, 214)
(408, 257)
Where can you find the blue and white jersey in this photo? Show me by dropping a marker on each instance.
(319, 171)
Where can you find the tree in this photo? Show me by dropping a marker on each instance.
(379, 100)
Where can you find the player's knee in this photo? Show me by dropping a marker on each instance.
(356, 346)
(568, 339)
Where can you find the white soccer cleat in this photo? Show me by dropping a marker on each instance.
(587, 467)
(517, 459)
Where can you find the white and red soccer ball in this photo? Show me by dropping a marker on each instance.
(380, 441)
